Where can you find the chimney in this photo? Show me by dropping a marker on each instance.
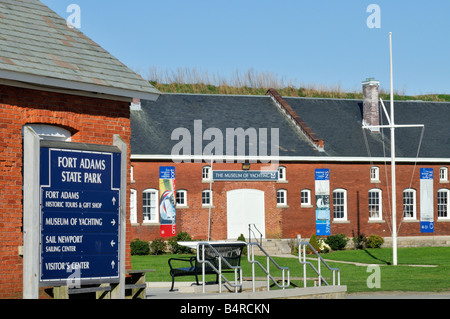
(371, 115)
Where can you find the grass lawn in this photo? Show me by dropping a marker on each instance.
(402, 277)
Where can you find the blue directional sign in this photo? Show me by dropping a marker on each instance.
(80, 199)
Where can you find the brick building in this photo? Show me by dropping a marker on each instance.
(65, 87)
(192, 133)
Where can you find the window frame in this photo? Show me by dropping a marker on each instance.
(445, 191)
(307, 203)
(206, 171)
(379, 204)
(145, 214)
(414, 204)
(133, 206)
(209, 198)
(283, 197)
(374, 174)
(443, 174)
(281, 174)
(343, 205)
(179, 192)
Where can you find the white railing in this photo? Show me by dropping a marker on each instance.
(251, 259)
(220, 258)
(320, 260)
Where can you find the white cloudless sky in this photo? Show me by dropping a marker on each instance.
(323, 42)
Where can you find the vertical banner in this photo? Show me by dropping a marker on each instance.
(167, 201)
(426, 200)
(322, 177)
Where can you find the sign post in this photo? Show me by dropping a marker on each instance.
(80, 222)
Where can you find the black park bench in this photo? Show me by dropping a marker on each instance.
(190, 266)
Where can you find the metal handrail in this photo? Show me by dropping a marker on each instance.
(218, 271)
(251, 231)
(267, 271)
(302, 256)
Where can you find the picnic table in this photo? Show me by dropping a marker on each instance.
(207, 260)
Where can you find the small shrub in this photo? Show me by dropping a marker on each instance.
(177, 249)
(244, 250)
(337, 242)
(158, 247)
(375, 241)
(139, 247)
(318, 244)
(313, 241)
(360, 241)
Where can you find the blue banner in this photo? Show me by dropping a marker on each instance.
(426, 201)
(323, 218)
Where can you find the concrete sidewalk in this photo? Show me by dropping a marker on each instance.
(185, 290)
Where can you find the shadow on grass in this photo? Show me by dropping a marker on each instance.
(376, 258)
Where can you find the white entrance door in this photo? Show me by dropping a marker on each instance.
(245, 206)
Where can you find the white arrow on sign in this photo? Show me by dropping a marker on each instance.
(114, 201)
(113, 222)
(112, 264)
(112, 243)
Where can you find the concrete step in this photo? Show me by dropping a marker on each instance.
(274, 247)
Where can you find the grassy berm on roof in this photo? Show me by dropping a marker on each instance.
(200, 88)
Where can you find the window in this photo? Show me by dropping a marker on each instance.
(181, 197)
(133, 201)
(281, 174)
(281, 197)
(443, 174)
(206, 173)
(442, 200)
(51, 132)
(206, 198)
(409, 203)
(150, 205)
(375, 174)
(375, 204)
(340, 204)
(305, 197)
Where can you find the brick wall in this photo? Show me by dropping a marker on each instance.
(90, 120)
(293, 220)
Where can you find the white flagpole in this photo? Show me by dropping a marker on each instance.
(394, 199)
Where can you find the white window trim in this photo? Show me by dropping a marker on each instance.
(308, 203)
(444, 190)
(414, 216)
(344, 191)
(380, 204)
(374, 174)
(206, 170)
(182, 191)
(443, 175)
(210, 204)
(284, 203)
(281, 174)
(146, 221)
(133, 206)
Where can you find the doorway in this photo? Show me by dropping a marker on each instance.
(245, 206)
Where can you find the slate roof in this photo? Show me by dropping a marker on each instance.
(152, 126)
(37, 45)
(337, 121)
